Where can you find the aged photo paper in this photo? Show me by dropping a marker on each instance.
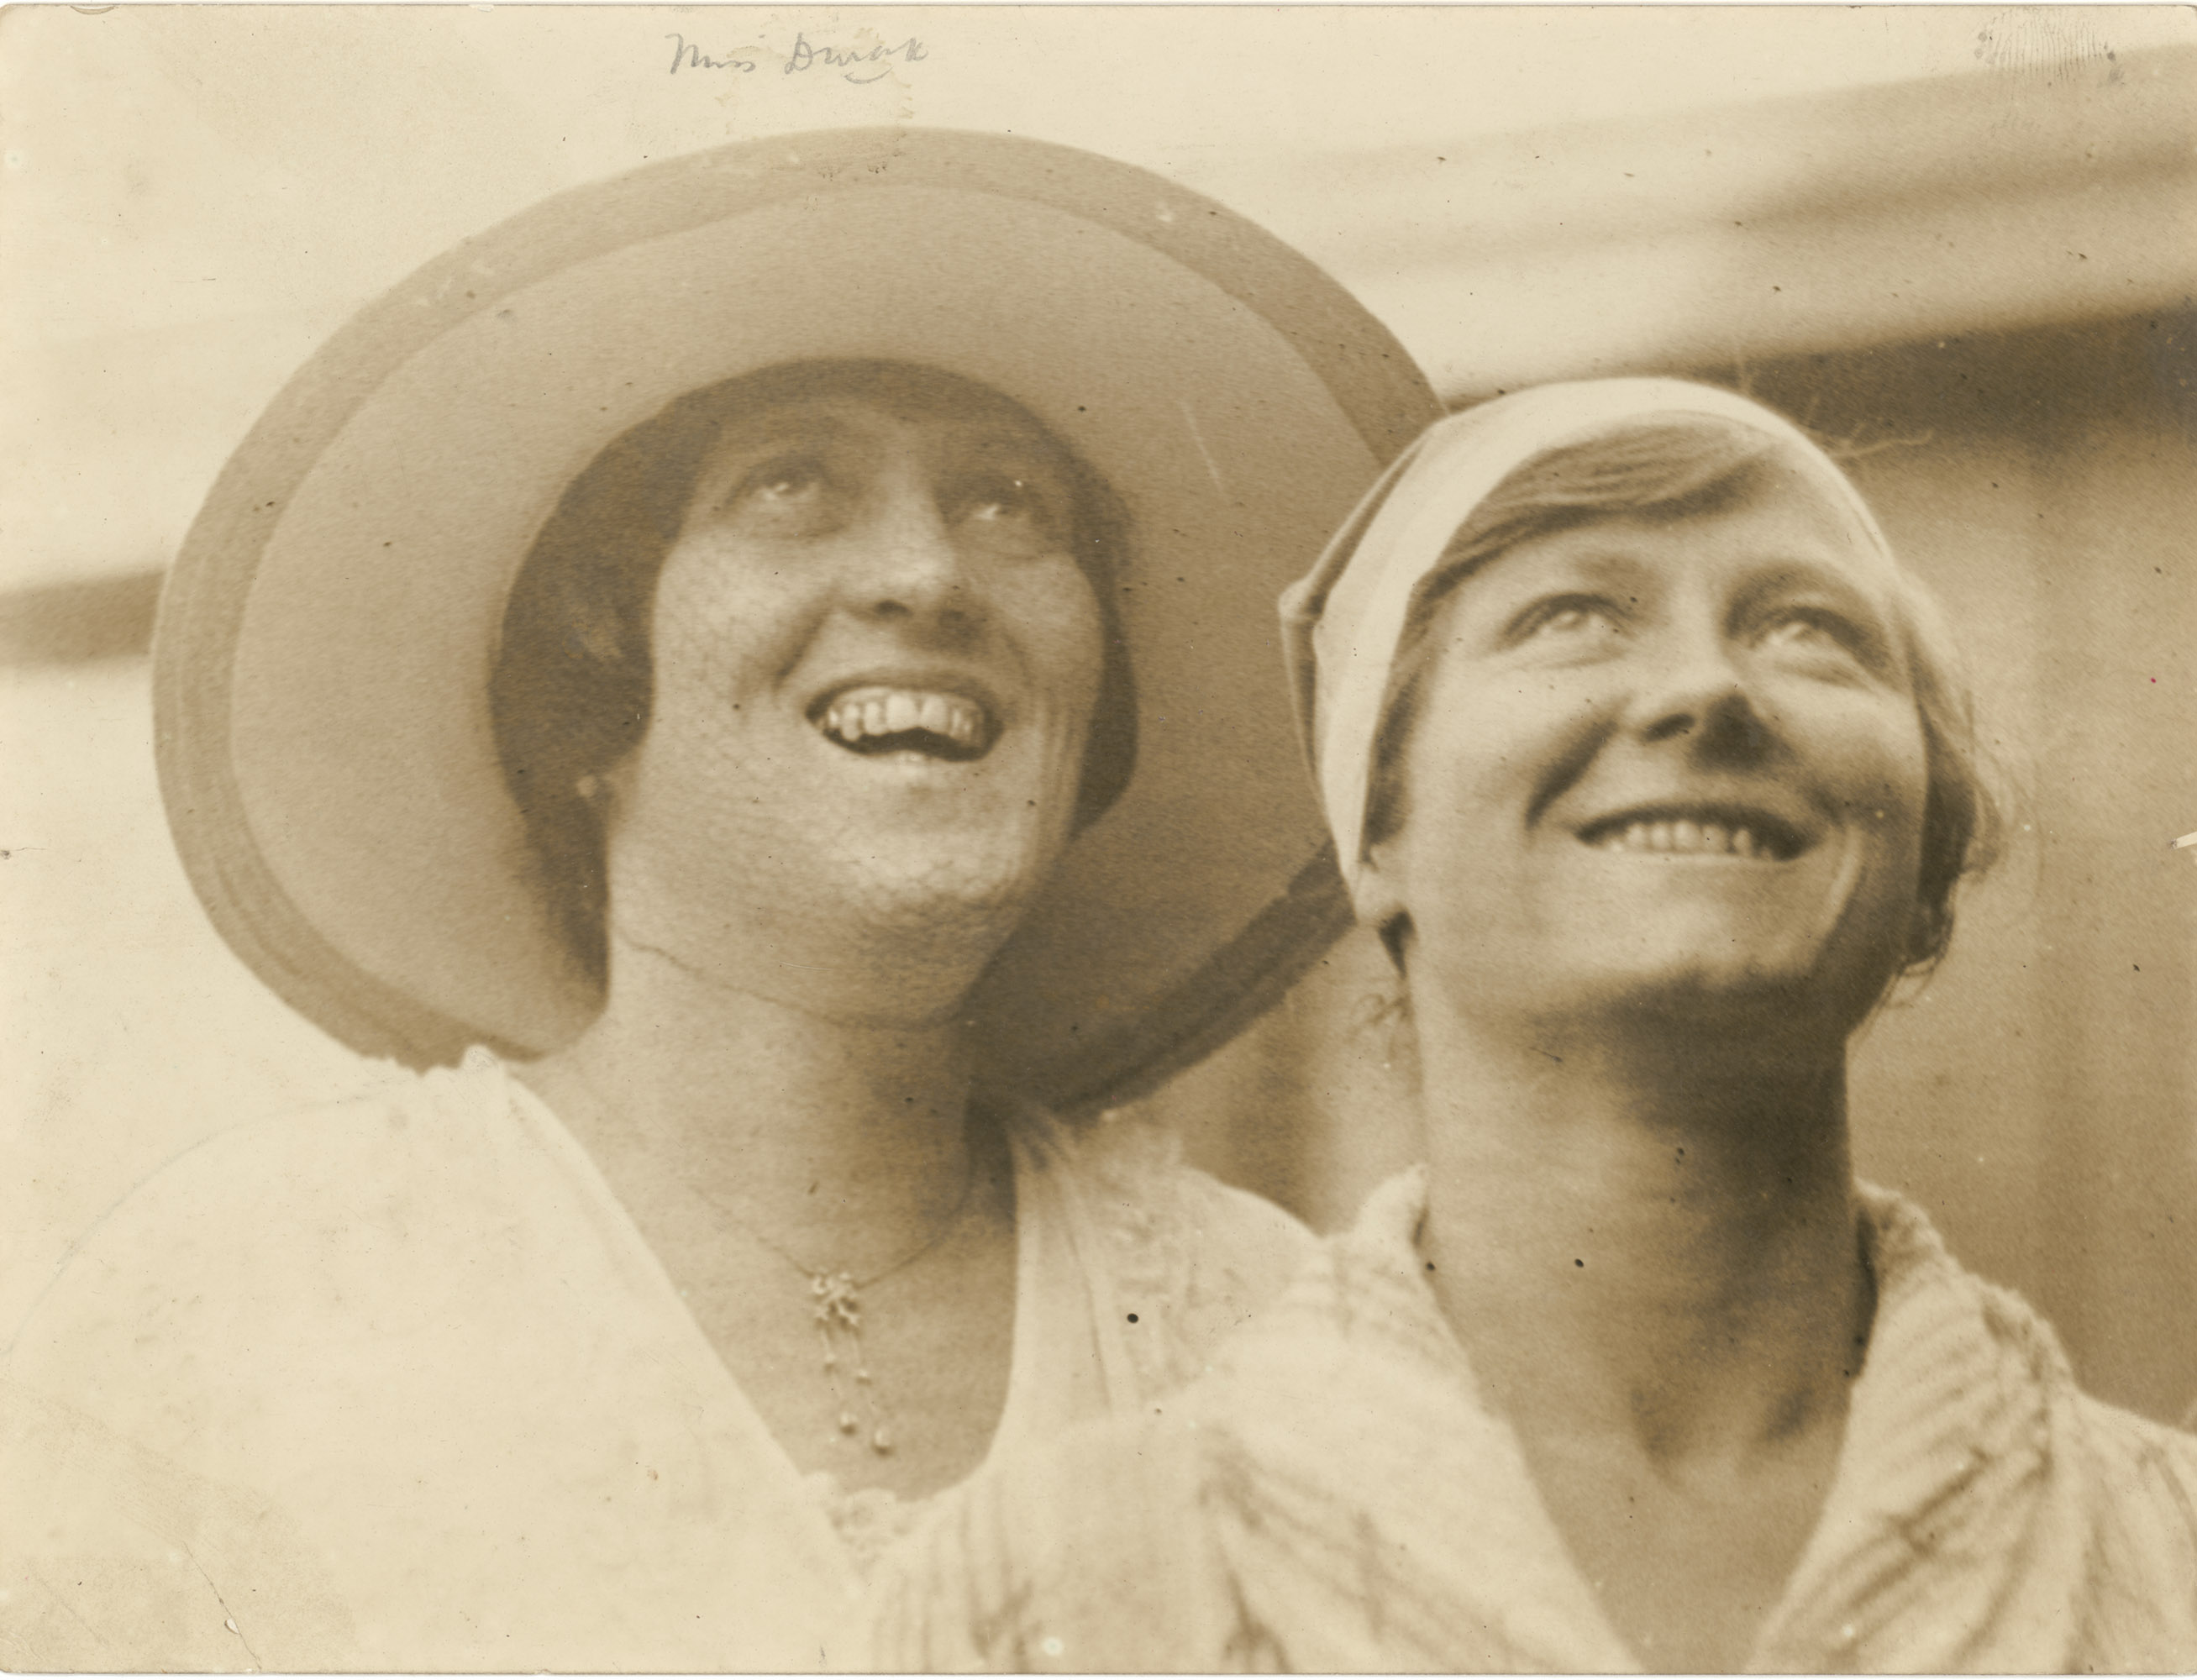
(1958, 245)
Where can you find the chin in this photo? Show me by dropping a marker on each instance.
(1783, 1004)
(953, 887)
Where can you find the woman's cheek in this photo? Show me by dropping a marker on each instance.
(1885, 765)
(1059, 611)
(734, 631)
(1545, 727)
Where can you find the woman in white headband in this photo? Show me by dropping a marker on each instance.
(1652, 768)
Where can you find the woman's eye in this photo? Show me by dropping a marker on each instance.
(1804, 628)
(791, 495)
(1565, 618)
(780, 483)
(1016, 515)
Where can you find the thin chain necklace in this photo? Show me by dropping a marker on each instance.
(836, 1308)
(835, 1296)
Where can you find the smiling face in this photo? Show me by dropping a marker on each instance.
(875, 663)
(1665, 766)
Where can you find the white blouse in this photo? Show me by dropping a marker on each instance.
(397, 1384)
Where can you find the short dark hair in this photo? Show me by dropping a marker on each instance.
(573, 677)
(1673, 469)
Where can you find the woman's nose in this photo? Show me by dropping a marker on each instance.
(1700, 693)
(908, 564)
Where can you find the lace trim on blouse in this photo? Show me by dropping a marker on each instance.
(868, 1520)
(1137, 1193)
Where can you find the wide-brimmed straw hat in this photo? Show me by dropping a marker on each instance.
(322, 662)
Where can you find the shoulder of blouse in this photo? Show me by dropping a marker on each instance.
(2143, 1484)
(2138, 1477)
(249, 1202)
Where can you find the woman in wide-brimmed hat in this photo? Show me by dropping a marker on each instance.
(1653, 769)
(750, 675)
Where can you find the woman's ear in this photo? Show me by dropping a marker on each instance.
(1377, 895)
(617, 780)
(606, 792)
(1925, 931)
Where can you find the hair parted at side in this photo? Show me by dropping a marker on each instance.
(1674, 468)
(571, 685)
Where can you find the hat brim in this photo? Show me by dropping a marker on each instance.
(321, 658)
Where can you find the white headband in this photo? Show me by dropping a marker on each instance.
(1342, 621)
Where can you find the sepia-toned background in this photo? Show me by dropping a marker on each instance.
(1961, 240)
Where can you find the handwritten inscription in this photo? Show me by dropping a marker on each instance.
(909, 51)
(857, 65)
(687, 55)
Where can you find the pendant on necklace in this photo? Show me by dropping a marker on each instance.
(836, 1306)
(838, 1312)
(838, 1300)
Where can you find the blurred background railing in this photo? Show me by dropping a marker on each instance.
(1984, 282)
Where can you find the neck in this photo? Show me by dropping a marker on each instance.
(839, 1139)
(1638, 1237)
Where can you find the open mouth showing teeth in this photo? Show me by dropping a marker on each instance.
(1753, 835)
(878, 720)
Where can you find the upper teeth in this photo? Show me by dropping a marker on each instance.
(1681, 835)
(891, 711)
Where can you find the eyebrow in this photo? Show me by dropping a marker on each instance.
(1592, 565)
(1765, 576)
(762, 431)
(1005, 434)
(1776, 576)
